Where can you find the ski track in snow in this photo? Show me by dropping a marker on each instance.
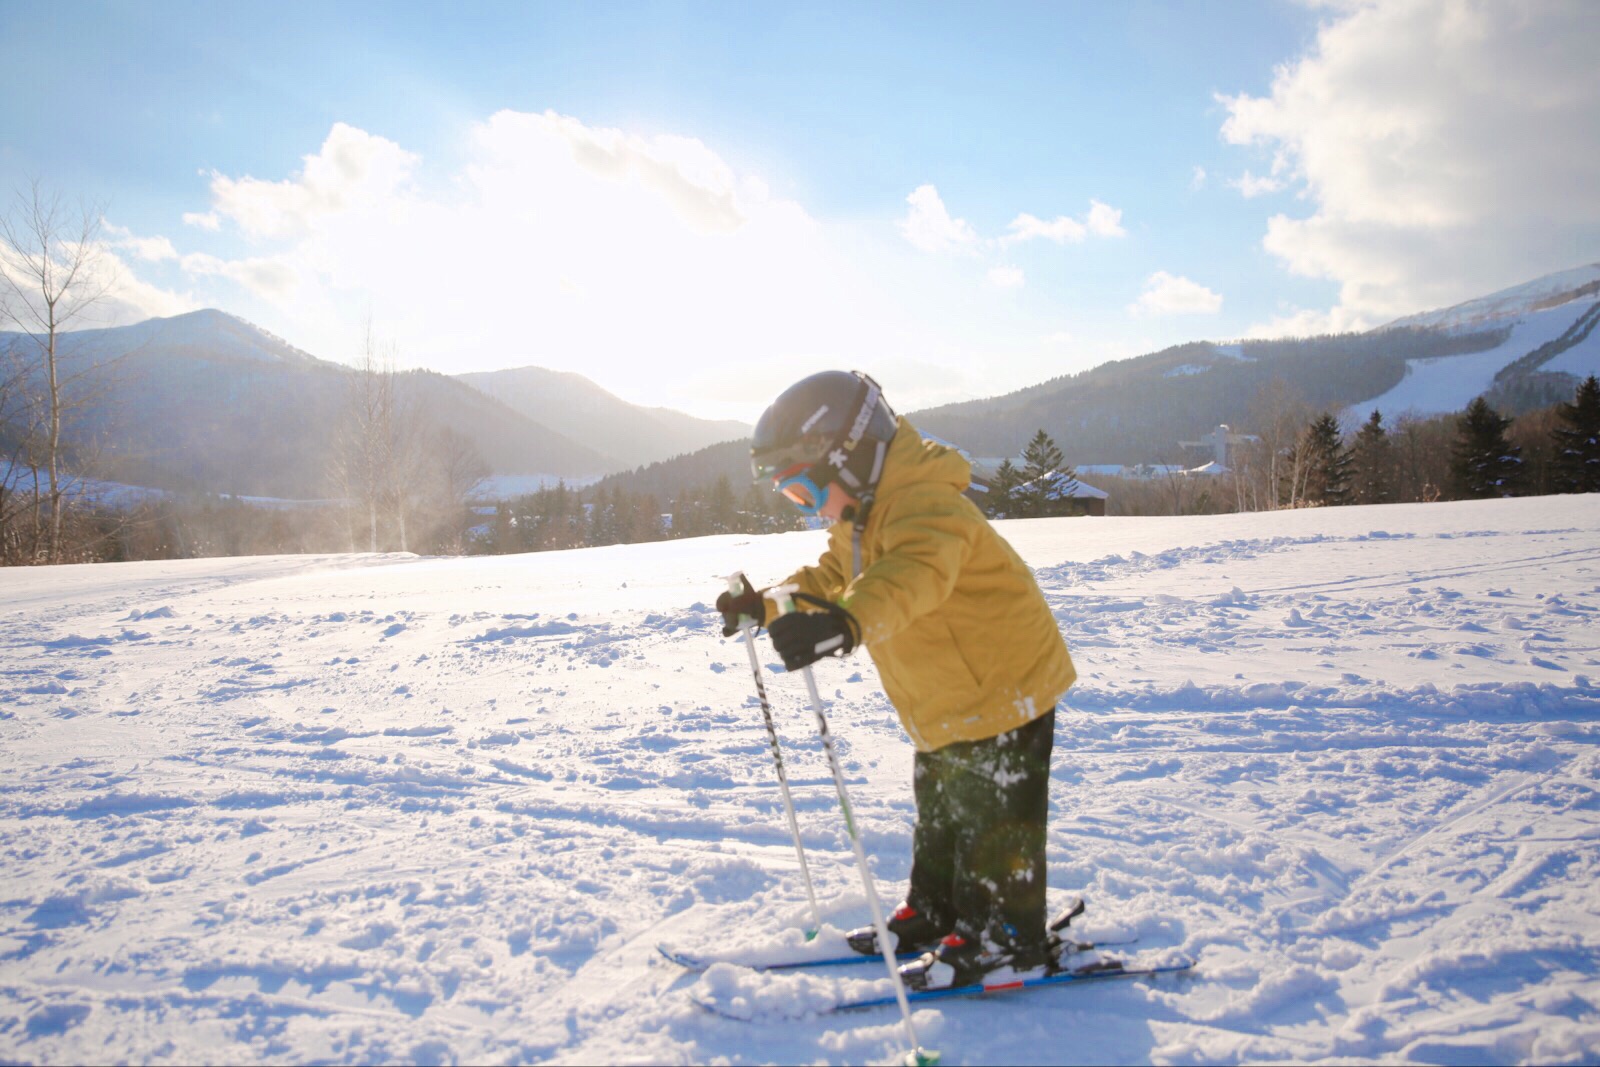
(380, 808)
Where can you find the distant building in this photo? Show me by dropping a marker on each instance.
(1218, 441)
(1139, 472)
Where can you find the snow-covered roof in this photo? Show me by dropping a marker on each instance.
(1063, 487)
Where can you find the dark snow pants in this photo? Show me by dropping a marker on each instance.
(977, 864)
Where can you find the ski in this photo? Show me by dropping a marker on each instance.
(1020, 984)
(691, 962)
(1058, 940)
(1063, 978)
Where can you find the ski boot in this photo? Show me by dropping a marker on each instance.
(912, 932)
(957, 962)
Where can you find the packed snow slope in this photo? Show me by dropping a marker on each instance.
(1556, 310)
(380, 808)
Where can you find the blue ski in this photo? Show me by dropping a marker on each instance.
(921, 996)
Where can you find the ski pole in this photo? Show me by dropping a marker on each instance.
(781, 595)
(737, 585)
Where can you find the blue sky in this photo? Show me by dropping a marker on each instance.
(694, 203)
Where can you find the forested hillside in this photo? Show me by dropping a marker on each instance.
(208, 402)
(1137, 410)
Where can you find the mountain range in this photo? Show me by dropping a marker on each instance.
(208, 401)
(577, 408)
(1523, 347)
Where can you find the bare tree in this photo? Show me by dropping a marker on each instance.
(1277, 415)
(1422, 457)
(14, 437)
(364, 435)
(460, 472)
(49, 276)
(381, 448)
(1178, 486)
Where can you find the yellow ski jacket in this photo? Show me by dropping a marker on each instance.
(961, 635)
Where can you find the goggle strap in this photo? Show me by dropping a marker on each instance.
(877, 463)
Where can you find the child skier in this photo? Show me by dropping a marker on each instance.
(968, 651)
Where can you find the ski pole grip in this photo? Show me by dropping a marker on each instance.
(738, 585)
(783, 597)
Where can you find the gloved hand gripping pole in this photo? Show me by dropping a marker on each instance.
(737, 585)
(782, 596)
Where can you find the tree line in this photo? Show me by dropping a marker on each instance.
(1300, 458)
(560, 516)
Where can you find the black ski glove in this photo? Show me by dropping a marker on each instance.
(735, 609)
(803, 637)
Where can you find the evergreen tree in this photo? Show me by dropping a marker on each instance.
(1040, 461)
(1483, 463)
(1003, 488)
(1371, 464)
(721, 508)
(1578, 442)
(1327, 463)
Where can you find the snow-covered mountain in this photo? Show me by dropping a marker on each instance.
(1524, 347)
(1542, 294)
(208, 400)
(1548, 328)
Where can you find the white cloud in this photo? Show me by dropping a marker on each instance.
(1308, 322)
(1439, 178)
(130, 299)
(1198, 179)
(206, 220)
(270, 278)
(1250, 186)
(1006, 277)
(1171, 294)
(114, 295)
(353, 170)
(1061, 230)
(1105, 220)
(150, 249)
(929, 226)
(691, 179)
(1102, 220)
(649, 264)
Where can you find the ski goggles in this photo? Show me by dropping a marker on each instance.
(797, 484)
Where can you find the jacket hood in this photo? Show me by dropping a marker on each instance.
(913, 460)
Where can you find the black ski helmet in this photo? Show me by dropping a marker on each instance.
(831, 425)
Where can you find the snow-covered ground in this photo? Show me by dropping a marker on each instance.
(380, 808)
